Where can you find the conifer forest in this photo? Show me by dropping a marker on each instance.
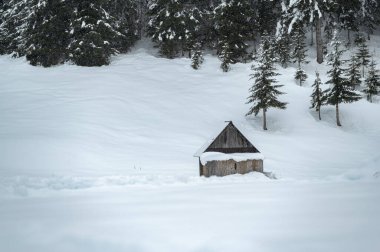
(189, 125)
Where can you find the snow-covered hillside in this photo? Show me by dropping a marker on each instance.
(101, 159)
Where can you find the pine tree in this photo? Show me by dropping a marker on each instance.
(232, 25)
(372, 82)
(197, 56)
(362, 53)
(225, 57)
(15, 16)
(127, 20)
(341, 90)
(94, 34)
(353, 72)
(369, 17)
(301, 75)
(306, 12)
(264, 92)
(317, 97)
(167, 26)
(283, 50)
(48, 33)
(193, 31)
(299, 52)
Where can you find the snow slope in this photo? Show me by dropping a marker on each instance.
(95, 159)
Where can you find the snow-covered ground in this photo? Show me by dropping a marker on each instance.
(101, 159)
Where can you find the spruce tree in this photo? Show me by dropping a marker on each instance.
(225, 57)
(362, 53)
(167, 26)
(317, 97)
(299, 51)
(353, 72)
(127, 19)
(264, 92)
(94, 34)
(300, 75)
(193, 29)
(48, 33)
(232, 25)
(372, 82)
(283, 50)
(197, 56)
(341, 90)
(15, 19)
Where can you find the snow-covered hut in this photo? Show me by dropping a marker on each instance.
(229, 153)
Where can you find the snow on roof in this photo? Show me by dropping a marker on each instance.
(238, 157)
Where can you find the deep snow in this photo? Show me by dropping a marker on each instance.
(95, 159)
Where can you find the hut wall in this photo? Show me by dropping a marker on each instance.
(228, 167)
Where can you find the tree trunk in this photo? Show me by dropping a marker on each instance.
(319, 113)
(264, 120)
(337, 115)
(318, 35)
(363, 71)
(312, 35)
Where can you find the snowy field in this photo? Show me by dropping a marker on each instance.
(101, 159)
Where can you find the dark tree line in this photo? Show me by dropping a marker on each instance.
(88, 32)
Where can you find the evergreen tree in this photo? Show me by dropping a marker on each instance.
(301, 75)
(264, 92)
(193, 31)
(15, 19)
(372, 82)
(266, 14)
(317, 97)
(126, 20)
(353, 72)
(48, 33)
(362, 53)
(298, 54)
(225, 57)
(306, 12)
(341, 90)
(232, 26)
(94, 34)
(197, 56)
(283, 50)
(369, 16)
(167, 26)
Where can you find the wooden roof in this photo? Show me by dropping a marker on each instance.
(230, 140)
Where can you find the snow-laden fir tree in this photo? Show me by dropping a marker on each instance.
(127, 20)
(48, 33)
(317, 97)
(372, 82)
(167, 26)
(299, 52)
(264, 92)
(309, 12)
(283, 47)
(197, 56)
(346, 13)
(300, 76)
(193, 31)
(232, 23)
(369, 16)
(225, 56)
(94, 34)
(362, 53)
(353, 72)
(15, 19)
(341, 90)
